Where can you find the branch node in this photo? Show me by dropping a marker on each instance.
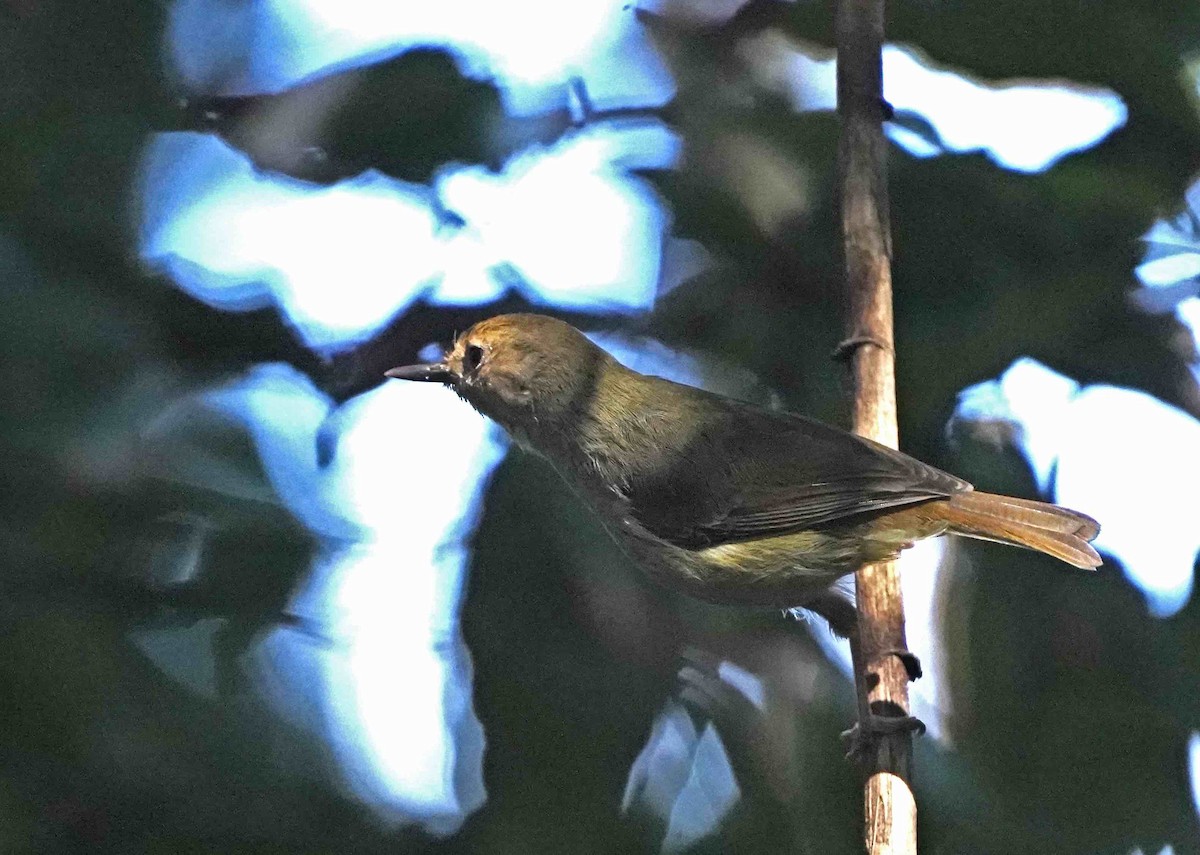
(912, 665)
(845, 349)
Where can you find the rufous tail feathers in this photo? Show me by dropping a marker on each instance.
(1022, 522)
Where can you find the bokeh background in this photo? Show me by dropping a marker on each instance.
(254, 600)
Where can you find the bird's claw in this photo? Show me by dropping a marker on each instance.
(861, 738)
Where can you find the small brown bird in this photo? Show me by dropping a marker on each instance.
(720, 499)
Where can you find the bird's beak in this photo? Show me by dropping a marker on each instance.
(436, 372)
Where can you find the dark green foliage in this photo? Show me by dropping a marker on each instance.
(1071, 706)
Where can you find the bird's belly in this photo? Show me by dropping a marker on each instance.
(782, 571)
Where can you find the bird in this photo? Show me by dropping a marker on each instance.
(717, 498)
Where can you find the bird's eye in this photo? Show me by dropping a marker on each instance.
(472, 356)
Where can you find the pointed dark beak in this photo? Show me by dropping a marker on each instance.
(437, 372)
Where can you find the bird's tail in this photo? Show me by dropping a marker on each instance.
(1022, 522)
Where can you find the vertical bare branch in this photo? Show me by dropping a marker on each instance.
(889, 806)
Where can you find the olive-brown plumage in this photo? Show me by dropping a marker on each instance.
(726, 501)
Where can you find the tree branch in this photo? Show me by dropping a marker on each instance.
(882, 681)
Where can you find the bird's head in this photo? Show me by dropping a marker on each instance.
(517, 369)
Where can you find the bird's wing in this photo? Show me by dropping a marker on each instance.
(754, 473)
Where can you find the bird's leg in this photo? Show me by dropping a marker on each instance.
(878, 718)
(838, 611)
(874, 721)
(842, 618)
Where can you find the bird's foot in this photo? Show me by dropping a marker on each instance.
(860, 740)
